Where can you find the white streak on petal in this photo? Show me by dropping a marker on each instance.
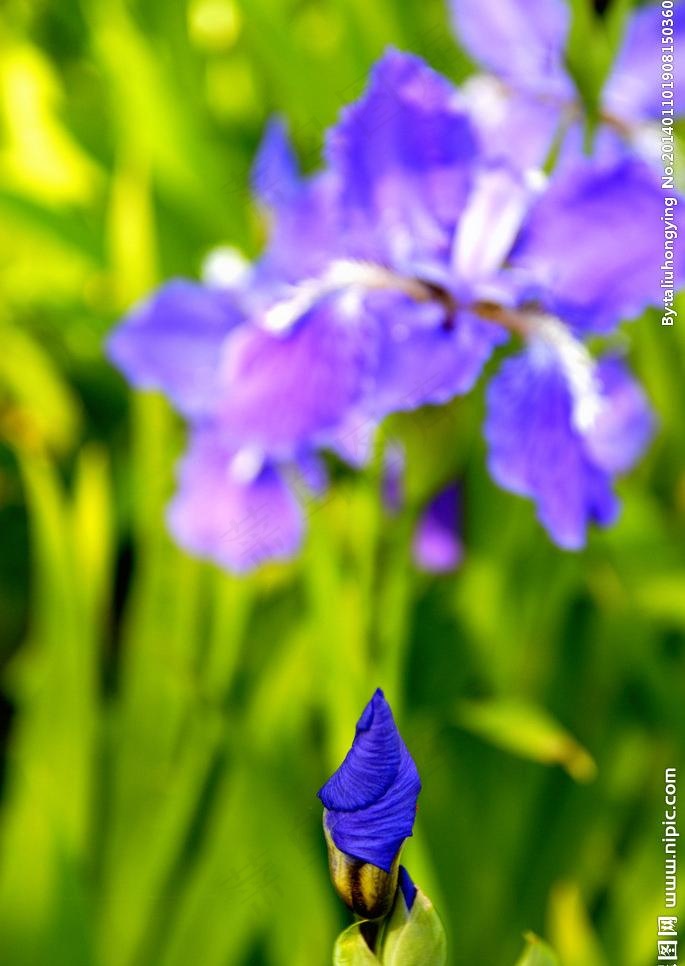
(343, 275)
(490, 223)
(578, 366)
(246, 465)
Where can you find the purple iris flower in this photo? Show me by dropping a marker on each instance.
(388, 280)
(357, 314)
(528, 97)
(322, 335)
(540, 261)
(370, 807)
(437, 546)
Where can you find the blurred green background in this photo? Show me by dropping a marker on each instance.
(165, 726)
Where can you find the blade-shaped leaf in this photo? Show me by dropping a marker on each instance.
(529, 731)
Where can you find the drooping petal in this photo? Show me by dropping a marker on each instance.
(370, 801)
(236, 518)
(532, 449)
(522, 41)
(633, 92)
(625, 423)
(427, 356)
(602, 503)
(281, 391)
(594, 244)
(437, 546)
(353, 440)
(535, 449)
(405, 155)
(172, 342)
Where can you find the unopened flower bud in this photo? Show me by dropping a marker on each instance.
(370, 807)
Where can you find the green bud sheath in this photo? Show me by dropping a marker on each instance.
(351, 949)
(537, 953)
(414, 937)
(367, 890)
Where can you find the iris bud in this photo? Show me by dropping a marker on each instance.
(369, 810)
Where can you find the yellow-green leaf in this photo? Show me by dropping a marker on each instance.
(529, 731)
(571, 929)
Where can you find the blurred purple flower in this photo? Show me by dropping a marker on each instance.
(364, 268)
(528, 97)
(387, 282)
(437, 546)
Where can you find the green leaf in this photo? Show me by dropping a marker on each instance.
(60, 225)
(47, 412)
(351, 949)
(528, 731)
(593, 43)
(661, 596)
(537, 953)
(414, 937)
(54, 682)
(571, 928)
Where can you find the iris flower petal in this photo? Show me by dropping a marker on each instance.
(535, 449)
(522, 41)
(431, 362)
(172, 342)
(234, 518)
(405, 154)
(281, 391)
(594, 244)
(631, 93)
(625, 425)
